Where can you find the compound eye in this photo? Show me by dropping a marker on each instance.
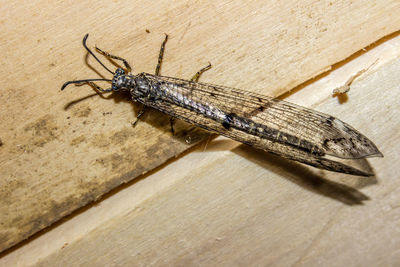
(119, 71)
(113, 87)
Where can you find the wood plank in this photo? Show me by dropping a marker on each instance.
(64, 150)
(232, 204)
(292, 180)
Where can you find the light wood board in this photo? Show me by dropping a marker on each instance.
(228, 204)
(64, 150)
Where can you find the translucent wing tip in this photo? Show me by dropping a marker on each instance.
(358, 167)
(362, 173)
(377, 154)
(349, 143)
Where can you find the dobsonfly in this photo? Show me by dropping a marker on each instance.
(276, 126)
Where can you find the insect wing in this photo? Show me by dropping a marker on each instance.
(248, 104)
(328, 133)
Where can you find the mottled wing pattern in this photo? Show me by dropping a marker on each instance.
(330, 134)
(254, 141)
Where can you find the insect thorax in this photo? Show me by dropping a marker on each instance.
(139, 86)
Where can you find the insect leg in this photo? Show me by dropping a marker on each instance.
(158, 67)
(138, 116)
(160, 55)
(106, 54)
(171, 122)
(196, 77)
(98, 88)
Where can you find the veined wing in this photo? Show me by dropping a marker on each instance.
(255, 141)
(327, 133)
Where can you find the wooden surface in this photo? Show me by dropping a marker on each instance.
(231, 204)
(64, 150)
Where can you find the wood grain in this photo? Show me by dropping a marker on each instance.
(63, 150)
(239, 206)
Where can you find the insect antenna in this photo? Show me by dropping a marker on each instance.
(90, 52)
(83, 81)
(98, 60)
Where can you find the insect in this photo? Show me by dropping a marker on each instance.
(266, 123)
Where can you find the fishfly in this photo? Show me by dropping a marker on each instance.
(266, 123)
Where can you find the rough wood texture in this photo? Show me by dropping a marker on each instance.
(234, 205)
(64, 150)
